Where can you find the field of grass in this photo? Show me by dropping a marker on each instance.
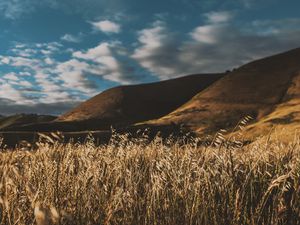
(137, 183)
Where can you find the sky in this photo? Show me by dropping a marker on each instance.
(55, 54)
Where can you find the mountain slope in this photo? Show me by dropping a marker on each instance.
(10, 122)
(125, 105)
(263, 87)
(284, 120)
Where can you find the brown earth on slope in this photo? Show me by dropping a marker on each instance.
(266, 89)
(126, 105)
(283, 123)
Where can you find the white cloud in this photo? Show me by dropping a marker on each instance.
(157, 48)
(49, 61)
(8, 92)
(152, 37)
(4, 60)
(48, 48)
(46, 52)
(24, 52)
(51, 92)
(95, 53)
(25, 74)
(19, 45)
(71, 38)
(107, 26)
(11, 76)
(25, 83)
(216, 26)
(218, 17)
(72, 73)
(208, 34)
(42, 79)
(18, 61)
(105, 63)
(16, 80)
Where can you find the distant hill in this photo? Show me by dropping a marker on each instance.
(10, 122)
(266, 89)
(125, 105)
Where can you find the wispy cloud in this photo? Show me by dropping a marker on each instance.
(15, 9)
(71, 38)
(12, 9)
(218, 17)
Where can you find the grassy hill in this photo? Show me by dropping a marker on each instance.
(266, 89)
(284, 120)
(128, 104)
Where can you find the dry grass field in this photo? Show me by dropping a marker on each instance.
(128, 182)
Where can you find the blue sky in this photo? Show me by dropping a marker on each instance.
(57, 53)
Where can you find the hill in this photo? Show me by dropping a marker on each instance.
(266, 89)
(11, 122)
(129, 104)
(284, 120)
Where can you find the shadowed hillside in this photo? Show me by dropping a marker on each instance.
(128, 104)
(266, 89)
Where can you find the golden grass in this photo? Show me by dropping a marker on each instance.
(137, 183)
